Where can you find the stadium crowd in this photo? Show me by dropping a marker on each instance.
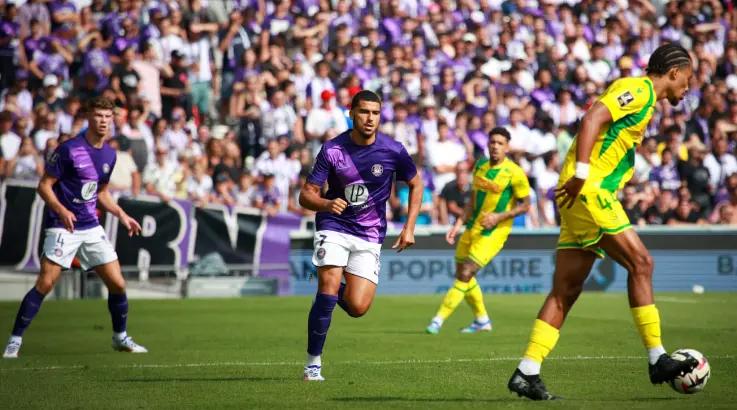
(228, 102)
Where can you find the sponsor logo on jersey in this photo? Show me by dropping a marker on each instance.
(377, 170)
(625, 99)
(356, 194)
(483, 184)
(89, 190)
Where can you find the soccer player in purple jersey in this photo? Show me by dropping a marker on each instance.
(76, 179)
(359, 166)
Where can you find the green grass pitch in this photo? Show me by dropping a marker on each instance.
(248, 353)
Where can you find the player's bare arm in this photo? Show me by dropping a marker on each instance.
(310, 198)
(593, 121)
(407, 236)
(450, 236)
(109, 205)
(47, 194)
(491, 219)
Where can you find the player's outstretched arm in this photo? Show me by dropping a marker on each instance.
(407, 236)
(450, 237)
(108, 204)
(310, 198)
(47, 194)
(595, 118)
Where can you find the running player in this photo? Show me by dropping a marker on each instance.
(359, 166)
(496, 182)
(76, 179)
(598, 164)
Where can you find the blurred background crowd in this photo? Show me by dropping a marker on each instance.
(228, 102)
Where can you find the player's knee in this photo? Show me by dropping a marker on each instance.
(45, 285)
(464, 276)
(117, 286)
(643, 265)
(358, 309)
(566, 295)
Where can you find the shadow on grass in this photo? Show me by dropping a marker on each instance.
(205, 379)
(383, 399)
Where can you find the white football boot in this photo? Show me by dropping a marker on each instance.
(128, 345)
(312, 374)
(12, 348)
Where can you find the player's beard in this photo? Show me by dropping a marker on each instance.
(366, 135)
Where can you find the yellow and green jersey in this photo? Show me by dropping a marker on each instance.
(493, 190)
(631, 102)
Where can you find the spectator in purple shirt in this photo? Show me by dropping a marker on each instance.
(96, 66)
(63, 12)
(666, 174)
(8, 44)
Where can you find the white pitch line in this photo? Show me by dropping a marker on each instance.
(350, 362)
(674, 299)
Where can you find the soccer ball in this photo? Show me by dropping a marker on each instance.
(694, 381)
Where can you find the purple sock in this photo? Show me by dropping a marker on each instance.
(318, 322)
(117, 304)
(28, 309)
(341, 301)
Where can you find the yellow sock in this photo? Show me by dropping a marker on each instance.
(452, 299)
(647, 321)
(542, 340)
(475, 298)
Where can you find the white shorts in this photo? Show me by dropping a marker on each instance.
(61, 246)
(359, 257)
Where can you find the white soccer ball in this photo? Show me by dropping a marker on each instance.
(694, 381)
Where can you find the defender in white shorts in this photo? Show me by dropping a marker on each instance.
(76, 179)
(358, 167)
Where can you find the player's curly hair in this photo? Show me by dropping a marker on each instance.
(365, 95)
(99, 103)
(668, 56)
(501, 131)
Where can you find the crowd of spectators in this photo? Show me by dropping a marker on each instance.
(228, 102)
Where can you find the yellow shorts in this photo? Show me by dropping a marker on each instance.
(480, 247)
(592, 215)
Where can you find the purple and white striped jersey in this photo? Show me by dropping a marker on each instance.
(80, 169)
(362, 176)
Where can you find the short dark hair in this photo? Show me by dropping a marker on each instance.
(99, 103)
(365, 95)
(668, 56)
(501, 131)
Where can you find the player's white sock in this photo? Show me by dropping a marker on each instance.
(120, 336)
(313, 360)
(439, 320)
(16, 339)
(654, 353)
(482, 319)
(529, 367)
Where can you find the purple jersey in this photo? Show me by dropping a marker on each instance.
(80, 169)
(362, 176)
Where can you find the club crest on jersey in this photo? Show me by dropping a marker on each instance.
(625, 99)
(377, 170)
(105, 168)
(88, 190)
(356, 194)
